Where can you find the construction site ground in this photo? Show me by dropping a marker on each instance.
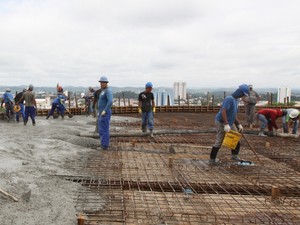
(52, 173)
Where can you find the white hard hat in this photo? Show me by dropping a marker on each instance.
(30, 87)
(82, 95)
(294, 113)
(7, 89)
(103, 79)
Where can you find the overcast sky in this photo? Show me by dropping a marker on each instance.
(206, 43)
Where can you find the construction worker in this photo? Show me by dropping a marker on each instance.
(104, 106)
(292, 117)
(146, 107)
(226, 120)
(20, 106)
(250, 102)
(89, 99)
(268, 118)
(8, 99)
(95, 101)
(30, 105)
(58, 104)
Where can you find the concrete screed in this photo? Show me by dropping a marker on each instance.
(31, 156)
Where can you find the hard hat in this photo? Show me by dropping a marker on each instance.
(7, 89)
(24, 90)
(149, 85)
(103, 79)
(244, 88)
(82, 95)
(17, 108)
(30, 87)
(294, 113)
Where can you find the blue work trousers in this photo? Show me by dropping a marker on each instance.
(103, 129)
(30, 111)
(147, 120)
(21, 112)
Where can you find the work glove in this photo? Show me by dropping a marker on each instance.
(140, 110)
(153, 109)
(240, 128)
(227, 128)
(277, 131)
(103, 113)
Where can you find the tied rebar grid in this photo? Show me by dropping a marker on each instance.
(135, 184)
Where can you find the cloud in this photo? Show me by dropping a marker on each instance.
(205, 43)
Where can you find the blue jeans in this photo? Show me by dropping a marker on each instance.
(263, 120)
(147, 120)
(295, 127)
(103, 129)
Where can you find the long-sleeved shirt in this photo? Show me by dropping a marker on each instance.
(105, 100)
(271, 115)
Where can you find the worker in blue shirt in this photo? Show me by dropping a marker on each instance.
(58, 104)
(226, 120)
(8, 99)
(104, 108)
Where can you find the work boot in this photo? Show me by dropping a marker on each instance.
(261, 133)
(144, 129)
(25, 122)
(151, 133)
(213, 162)
(214, 152)
(270, 134)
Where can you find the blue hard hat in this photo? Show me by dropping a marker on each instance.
(149, 85)
(244, 88)
(103, 79)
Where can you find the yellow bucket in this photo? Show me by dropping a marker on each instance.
(231, 139)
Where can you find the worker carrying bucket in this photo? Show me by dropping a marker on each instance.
(226, 121)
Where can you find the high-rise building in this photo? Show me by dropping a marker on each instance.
(283, 94)
(161, 98)
(179, 89)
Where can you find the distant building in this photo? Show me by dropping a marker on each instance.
(179, 89)
(283, 94)
(162, 98)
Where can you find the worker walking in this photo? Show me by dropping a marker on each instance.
(292, 117)
(20, 106)
(104, 106)
(268, 118)
(250, 102)
(226, 120)
(146, 107)
(30, 105)
(8, 100)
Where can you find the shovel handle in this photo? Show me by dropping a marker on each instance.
(251, 148)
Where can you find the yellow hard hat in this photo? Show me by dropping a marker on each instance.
(17, 108)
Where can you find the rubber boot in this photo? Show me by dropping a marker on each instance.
(235, 152)
(213, 155)
(261, 133)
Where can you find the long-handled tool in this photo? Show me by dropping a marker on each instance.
(251, 148)
(8, 195)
